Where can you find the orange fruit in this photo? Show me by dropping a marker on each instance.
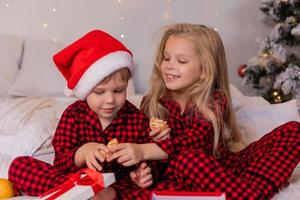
(6, 189)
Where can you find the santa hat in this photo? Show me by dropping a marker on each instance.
(90, 59)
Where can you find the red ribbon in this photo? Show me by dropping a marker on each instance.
(92, 178)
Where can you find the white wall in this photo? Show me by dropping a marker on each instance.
(239, 23)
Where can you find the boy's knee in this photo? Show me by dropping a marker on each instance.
(19, 160)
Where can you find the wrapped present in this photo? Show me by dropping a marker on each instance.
(80, 186)
(165, 195)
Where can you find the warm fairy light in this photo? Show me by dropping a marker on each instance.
(119, 1)
(54, 9)
(275, 93)
(216, 29)
(122, 36)
(166, 16)
(278, 99)
(45, 25)
(7, 5)
(265, 55)
(122, 18)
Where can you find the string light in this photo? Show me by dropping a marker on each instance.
(7, 5)
(122, 36)
(277, 97)
(166, 16)
(122, 18)
(54, 9)
(120, 1)
(216, 29)
(45, 25)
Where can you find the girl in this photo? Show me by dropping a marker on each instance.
(190, 90)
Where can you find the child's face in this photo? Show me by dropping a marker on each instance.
(180, 67)
(106, 99)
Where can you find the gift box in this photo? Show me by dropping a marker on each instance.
(168, 195)
(80, 186)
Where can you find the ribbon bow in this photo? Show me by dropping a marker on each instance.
(92, 178)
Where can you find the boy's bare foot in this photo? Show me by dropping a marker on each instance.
(106, 194)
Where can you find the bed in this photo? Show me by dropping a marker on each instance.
(32, 101)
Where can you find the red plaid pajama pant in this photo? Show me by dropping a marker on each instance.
(34, 177)
(257, 172)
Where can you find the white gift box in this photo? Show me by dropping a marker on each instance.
(168, 195)
(80, 189)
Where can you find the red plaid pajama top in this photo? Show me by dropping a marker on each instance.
(79, 125)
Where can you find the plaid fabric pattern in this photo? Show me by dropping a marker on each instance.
(79, 125)
(34, 177)
(257, 172)
(191, 130)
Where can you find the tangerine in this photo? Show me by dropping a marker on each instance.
(6, 189)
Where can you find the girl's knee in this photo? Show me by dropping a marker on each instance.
(292, 125)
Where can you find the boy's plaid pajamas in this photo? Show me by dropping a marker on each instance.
(79, 125)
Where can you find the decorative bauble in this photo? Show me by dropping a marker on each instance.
(242, 70)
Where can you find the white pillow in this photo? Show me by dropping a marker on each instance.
(38, 75)
(255, 116)
(10, 58)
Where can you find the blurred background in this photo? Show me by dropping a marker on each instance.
(137, 22)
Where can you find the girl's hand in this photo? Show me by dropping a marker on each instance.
(158, 136)
(127, 154)
(142, 176)
(90, 153)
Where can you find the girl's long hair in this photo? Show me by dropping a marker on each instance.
(210, 49)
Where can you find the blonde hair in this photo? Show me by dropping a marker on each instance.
(210, 49)
(122, 75)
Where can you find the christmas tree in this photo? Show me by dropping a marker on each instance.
(275, 72)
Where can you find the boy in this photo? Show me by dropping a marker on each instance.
(97, 68)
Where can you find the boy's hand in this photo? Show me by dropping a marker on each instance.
(90, 154)
(127, 154)
(156, 135)
(142, 176)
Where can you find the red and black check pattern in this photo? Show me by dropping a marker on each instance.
(79, 125)
(190, 130)
(257, 172)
